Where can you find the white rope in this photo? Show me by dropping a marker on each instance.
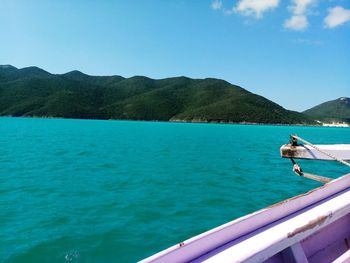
(318, 178)
(318, 149)
(298, 171)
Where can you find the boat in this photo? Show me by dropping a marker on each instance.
(313, 227)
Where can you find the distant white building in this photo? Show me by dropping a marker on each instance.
(336, 124)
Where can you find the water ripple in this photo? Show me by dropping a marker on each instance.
(115, 191)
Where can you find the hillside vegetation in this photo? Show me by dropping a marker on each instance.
(335, 110)
(34, 92)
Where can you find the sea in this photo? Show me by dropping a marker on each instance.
(120, 191)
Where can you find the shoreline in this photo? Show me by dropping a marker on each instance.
(194, 121)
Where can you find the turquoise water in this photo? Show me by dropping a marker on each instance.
(118, 191)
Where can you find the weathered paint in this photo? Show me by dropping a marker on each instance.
(263, 243)
(310, 225)
(329, 242)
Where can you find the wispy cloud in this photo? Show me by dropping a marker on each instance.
(297, 22)
(299, 8)
(216, 4)
(309, 42)
(255, 8)
(336, 16)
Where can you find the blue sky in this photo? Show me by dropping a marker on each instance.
(294, 52)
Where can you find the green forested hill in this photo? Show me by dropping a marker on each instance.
(34, 92)
(338, 110)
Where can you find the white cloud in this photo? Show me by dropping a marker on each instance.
(297, 22)
(337, 16)
(216, 4)
(299, 8)
(255, 7)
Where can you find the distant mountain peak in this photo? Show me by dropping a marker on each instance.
(338, 109)
(74, 72)
(7, 67)
(33, 69)
(344, 99)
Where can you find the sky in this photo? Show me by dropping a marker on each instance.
(293, 52)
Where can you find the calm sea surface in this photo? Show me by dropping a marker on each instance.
(119, 191)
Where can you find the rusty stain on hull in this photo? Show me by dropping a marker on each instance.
(310, 225)
(296, 197)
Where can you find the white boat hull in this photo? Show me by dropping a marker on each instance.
(313, 227)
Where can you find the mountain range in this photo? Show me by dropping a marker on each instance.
(35, 92)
